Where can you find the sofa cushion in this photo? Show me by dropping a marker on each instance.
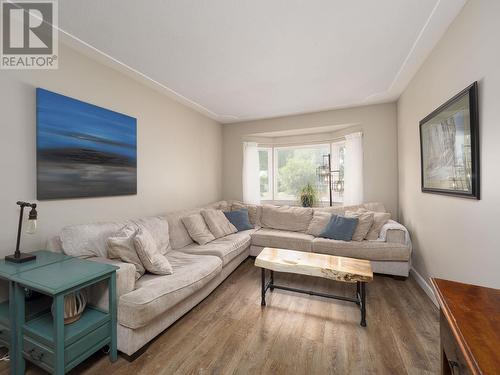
(155, 294)
(158, 227)
(121, 246)
(218, 223)
(318, 222)
(89, 240)
(179, 236)
(370, 250)
(379, 219)
(226, 248)
(282, 239)
(239, 218)
(295, 219)
(365, 222)
(198, 229)
(340, 228)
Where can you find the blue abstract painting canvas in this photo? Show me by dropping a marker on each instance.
(83, 150)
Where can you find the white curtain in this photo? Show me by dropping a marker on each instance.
(353, 169)
(251, 183)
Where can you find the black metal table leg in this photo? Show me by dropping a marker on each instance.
(263, 290)
(271, 286)
(363, 304)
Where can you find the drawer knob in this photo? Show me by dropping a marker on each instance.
(36, 356)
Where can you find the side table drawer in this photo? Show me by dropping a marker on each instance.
(38, 354)
(92, 342)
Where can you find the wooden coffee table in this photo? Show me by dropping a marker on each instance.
(321, 265)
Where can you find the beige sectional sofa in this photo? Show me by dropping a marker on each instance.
(149, 305)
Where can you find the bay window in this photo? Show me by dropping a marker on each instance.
(285, 170)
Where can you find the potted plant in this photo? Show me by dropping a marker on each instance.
(308, 196)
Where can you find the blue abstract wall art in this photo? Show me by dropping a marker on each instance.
(83, 150)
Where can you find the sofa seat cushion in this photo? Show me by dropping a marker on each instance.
(155, 294)
(370, 250)
(282, 239)
(226, 248)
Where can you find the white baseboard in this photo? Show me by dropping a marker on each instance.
(425, 286)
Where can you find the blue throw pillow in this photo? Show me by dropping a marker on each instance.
(239, 218)
(340, 228)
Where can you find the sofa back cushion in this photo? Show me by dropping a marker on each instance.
(341, 210)
(89, 240)
(294, 219)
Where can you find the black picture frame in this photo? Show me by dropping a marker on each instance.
(473, 192)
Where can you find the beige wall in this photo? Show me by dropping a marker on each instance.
(455, 238)
(377, 122)
(179, 150)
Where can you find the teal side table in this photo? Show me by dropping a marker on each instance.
(34, 307)
(45, 340)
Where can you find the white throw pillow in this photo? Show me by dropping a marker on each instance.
(150, 255)
(121, 246)
(365, 222)
(158, 227)
(197, 229)
(218, 223)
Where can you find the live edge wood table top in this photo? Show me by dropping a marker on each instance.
(320, 265)
(473, 315)
(313, 264)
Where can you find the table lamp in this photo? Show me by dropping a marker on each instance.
(19, 257)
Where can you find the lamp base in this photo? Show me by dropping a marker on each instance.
(21, 258)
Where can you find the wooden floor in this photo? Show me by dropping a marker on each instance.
(229, 332)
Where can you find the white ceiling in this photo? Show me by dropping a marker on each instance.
(237, 60)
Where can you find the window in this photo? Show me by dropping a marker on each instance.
(295, 167)
(284, 170)
(265, 173)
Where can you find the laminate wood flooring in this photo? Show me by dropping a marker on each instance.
(230, 333)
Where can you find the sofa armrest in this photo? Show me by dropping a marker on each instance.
(395, 236)
(125, 283)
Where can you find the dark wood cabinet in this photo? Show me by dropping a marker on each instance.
(469, 328)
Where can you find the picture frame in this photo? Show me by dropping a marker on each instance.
(449, 147)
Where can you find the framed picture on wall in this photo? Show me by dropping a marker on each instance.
(449, 147)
